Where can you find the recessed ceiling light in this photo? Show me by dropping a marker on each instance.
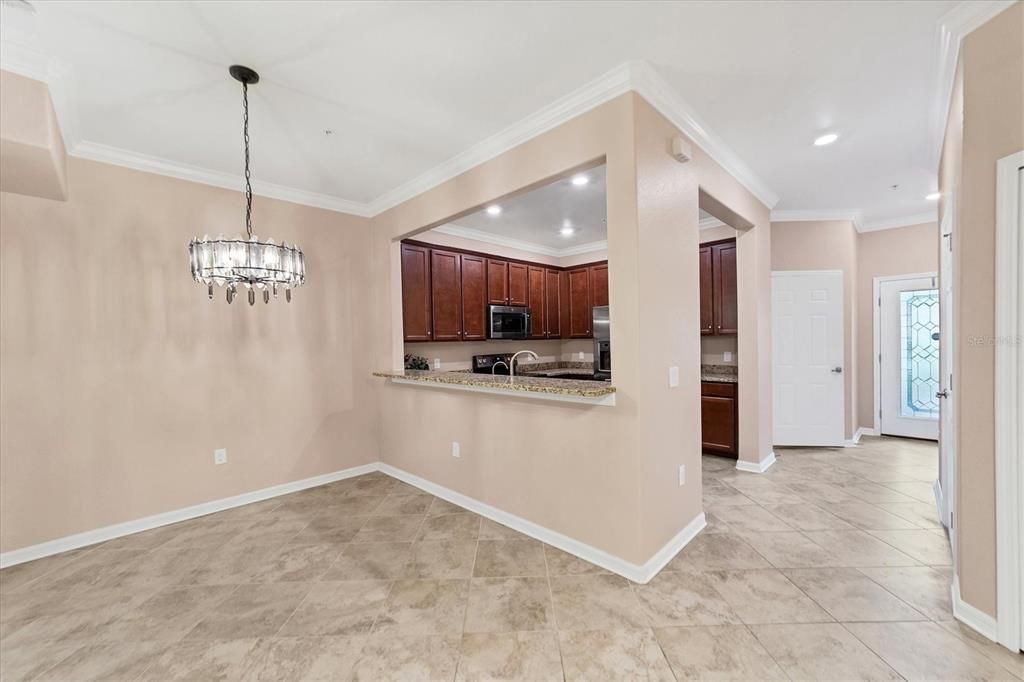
(934, 196)
(580, 180)
(493, 209)
(828, 138)
(567, 228)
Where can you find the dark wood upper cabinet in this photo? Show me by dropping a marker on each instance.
(599, 284)
(538, 318)
(580, 307)
(474, 295)
(518, 286)
(707, 314)
(446, 294)
(416, 319)
(718, 309)
(497, 282)
(552, 304)
(724, 272)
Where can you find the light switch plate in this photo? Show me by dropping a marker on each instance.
(456, 449)
(437, 363)
(673, 377)
(220, 456)
(727, 356)
(682, 474)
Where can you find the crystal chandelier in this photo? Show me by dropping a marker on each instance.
(246, 261)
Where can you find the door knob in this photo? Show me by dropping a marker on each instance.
(837, 370)
(944, 393)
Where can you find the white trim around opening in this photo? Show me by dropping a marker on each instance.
(1009, 400)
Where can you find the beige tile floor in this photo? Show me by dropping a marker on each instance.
(829, 566)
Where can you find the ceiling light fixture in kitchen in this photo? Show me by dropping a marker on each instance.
(934, 196)
(247, 261)
(828, 138)
(494, 209)
(580, 180)
(567, 228)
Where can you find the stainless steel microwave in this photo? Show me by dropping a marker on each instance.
(508, 322)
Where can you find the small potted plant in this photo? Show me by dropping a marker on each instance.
(416, 362)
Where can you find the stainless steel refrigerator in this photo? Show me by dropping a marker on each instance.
(602, 343)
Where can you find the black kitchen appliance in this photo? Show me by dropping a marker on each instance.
(492, 364)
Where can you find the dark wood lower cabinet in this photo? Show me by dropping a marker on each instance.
(718, 418)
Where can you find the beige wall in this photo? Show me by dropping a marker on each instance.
(32, 156)
(571, 468)
(986, 123)
(120, 377)
(836, 245)
(604, 476)
(900, 251)
(826, 245)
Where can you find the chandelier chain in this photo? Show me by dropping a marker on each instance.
(245, 135)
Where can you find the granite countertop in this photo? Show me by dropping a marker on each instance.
(725, 374)
(528, 384)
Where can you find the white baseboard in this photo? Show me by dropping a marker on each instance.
(974, 618)
(636, 572)
(758, 468)
(640, 573)
(861, 431)
(91, 537)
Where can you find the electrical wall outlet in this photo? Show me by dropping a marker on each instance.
(727, 356)
(456, 449)
(220, 456)
(581, 356)
(437, 363)
(682, 474)
(673, 377)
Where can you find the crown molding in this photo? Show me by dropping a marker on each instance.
(803, 216)
(637, 76)
(519, 244)
(18, 56)
(710, 223)
(598, 91)
(646, 82)
(856, 218)
(902, 221)
(152, 164)
(953, 26)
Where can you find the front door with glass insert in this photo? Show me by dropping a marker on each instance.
(909, 357)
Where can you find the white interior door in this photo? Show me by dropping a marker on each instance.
(807, 357)
(945, 497)
(909, 357)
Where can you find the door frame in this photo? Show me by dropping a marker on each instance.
(876, 334)
(1009, 402)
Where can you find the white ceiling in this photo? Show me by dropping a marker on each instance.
(537, 216)
(408, 86)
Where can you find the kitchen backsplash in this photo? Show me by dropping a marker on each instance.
(713, 350)
(457, 354)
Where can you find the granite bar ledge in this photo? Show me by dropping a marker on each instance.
(565, 390)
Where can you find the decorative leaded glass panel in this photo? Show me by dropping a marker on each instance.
(919, 357)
